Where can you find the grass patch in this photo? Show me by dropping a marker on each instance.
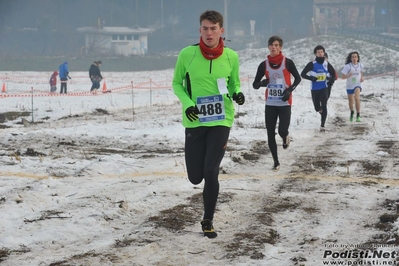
(12, 115)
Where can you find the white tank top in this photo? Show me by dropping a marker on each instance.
(276, 86)
(354, 80)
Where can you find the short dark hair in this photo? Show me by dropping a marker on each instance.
(275, 38)
(213, 16)
(318, 47)
(326, 55)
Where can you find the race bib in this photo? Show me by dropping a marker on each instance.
(321, 77)
(275, 92)
(211, 108)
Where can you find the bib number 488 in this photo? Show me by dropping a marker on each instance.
(211, 108)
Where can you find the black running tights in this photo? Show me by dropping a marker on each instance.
(320, 98)
(204, 151)
(283, 113)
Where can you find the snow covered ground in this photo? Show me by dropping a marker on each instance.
(100, 179)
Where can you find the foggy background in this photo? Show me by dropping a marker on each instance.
(48, 28)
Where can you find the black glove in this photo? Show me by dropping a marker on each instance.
(313, 79)
(263, 83)
(192, 113)
(256, 85)
(239, 98)
(287, 93)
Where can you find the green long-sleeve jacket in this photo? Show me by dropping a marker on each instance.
(196, 77)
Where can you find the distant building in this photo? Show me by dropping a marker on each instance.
(343, 14)
(116, 40)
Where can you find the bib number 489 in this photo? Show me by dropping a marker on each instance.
(275, 92)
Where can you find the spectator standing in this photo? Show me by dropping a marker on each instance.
(53, 82)
(63, 72)
(95, 75)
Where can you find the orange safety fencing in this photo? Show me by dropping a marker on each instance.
(73, 80)
(84, 80)
(42, 93)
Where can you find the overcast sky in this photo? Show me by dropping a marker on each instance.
(56, 21)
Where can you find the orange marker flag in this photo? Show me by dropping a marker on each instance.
(104, 87)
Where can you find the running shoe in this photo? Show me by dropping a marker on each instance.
(276, 166)
(358, 118)
(286, 142)
(207, 228)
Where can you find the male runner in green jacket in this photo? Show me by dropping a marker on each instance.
(206, 81)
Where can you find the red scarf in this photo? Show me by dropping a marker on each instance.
(211, 53)
(276, 60)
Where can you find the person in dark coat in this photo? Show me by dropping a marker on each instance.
(95, 75)
(64, 75)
